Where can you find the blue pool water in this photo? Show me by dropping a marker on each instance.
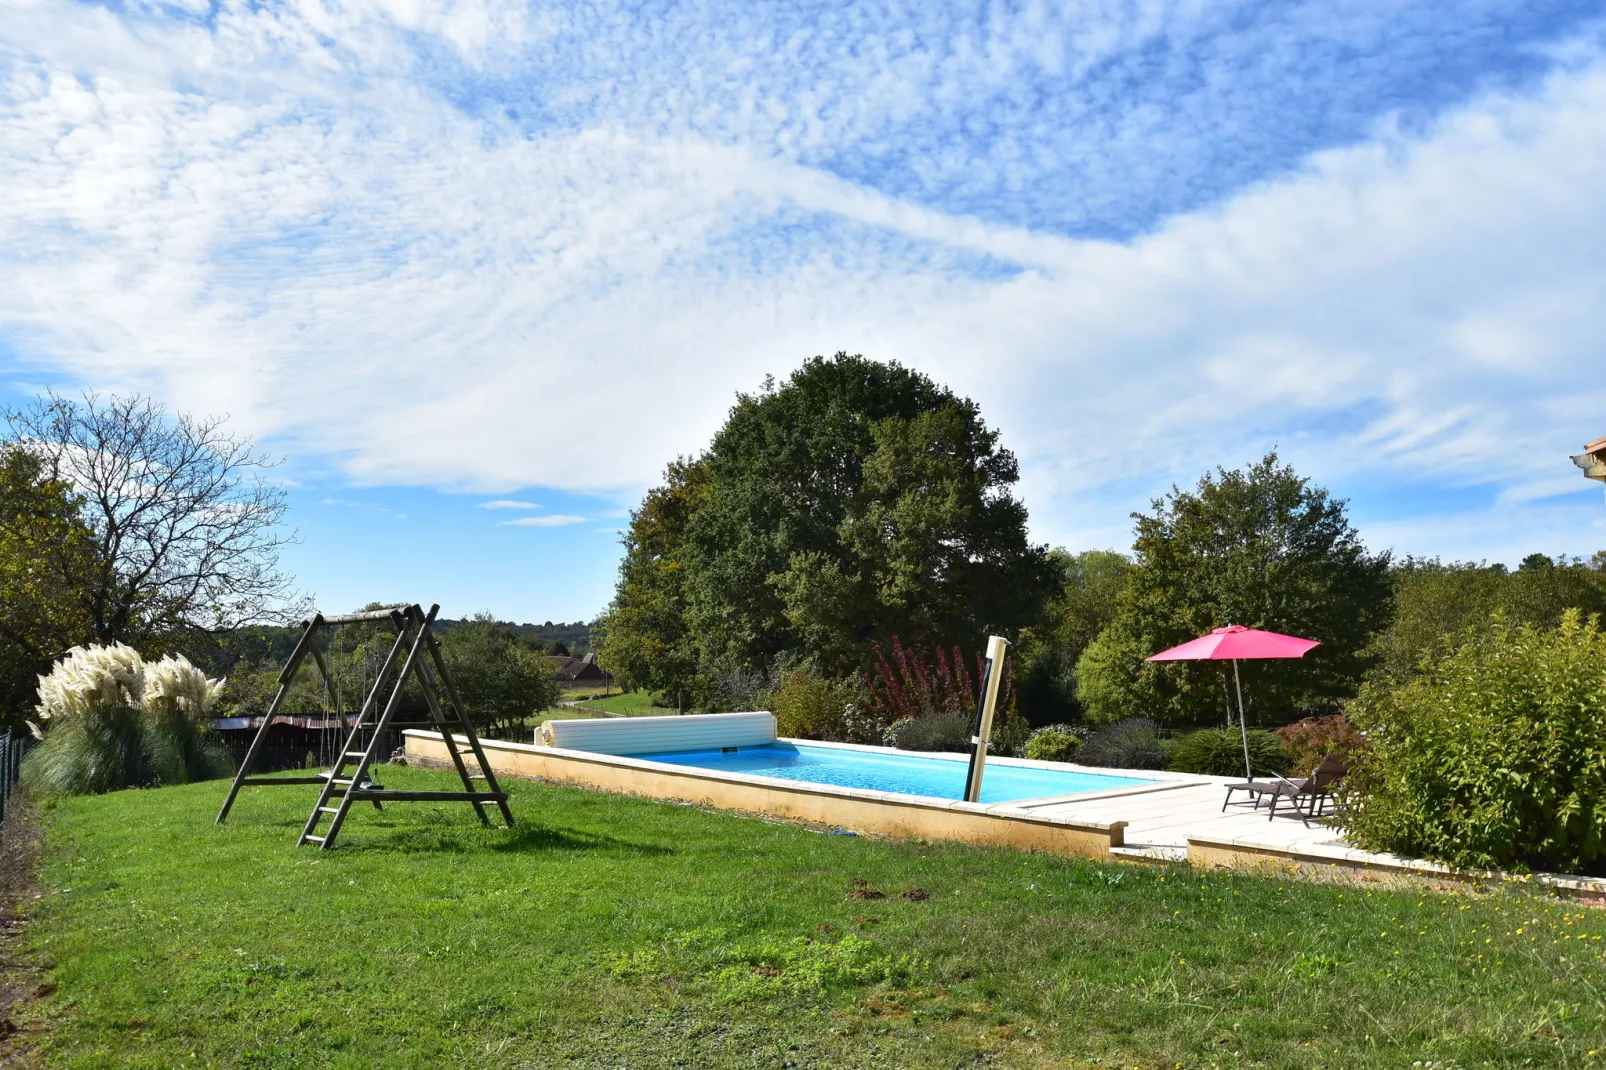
(902, 773)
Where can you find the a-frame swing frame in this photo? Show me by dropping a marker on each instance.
(418, 650)
(304, 646)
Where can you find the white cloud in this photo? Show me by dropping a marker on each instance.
(367, 507)
(355, 266)
(555, 521)
(506, 503)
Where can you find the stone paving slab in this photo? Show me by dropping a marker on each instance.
(1169, 819)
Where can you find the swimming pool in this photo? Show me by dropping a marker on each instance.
(906, 774)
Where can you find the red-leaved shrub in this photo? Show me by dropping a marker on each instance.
(1314, 738)
(905, 686)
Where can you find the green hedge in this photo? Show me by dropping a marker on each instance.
(1220, 752)
(1495, 757)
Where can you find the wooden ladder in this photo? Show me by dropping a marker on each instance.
(341, 789)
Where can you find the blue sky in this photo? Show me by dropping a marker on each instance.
(439, 255)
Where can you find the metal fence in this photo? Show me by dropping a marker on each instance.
(12, 748)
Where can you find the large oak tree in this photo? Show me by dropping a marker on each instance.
(856, 501)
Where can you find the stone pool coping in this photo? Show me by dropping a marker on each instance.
(878, 813)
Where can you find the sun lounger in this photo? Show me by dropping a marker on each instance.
(1257, 790)
(1311, 795)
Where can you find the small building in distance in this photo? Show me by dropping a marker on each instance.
(581, 672)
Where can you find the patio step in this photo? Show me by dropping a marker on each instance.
(1155, 852)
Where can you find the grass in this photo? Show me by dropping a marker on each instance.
(631, 704)
(606, 931)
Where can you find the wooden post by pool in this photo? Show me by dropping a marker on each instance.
(984, 716)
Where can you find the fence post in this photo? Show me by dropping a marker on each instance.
(5, 776)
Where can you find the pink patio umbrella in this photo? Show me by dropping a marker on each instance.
(1236, 643)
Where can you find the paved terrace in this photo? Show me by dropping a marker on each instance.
(1160, 821)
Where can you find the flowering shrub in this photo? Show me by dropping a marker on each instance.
(87, 682)
(1314, 738)
(109, 720)
(176, 701)
(906, 686)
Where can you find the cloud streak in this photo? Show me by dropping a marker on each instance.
(554, 521)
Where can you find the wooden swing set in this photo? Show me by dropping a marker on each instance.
(416, 650)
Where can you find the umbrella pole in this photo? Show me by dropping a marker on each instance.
(1243, 728)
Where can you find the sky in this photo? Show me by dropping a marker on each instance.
(478, 271)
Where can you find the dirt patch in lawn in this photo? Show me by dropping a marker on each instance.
(22, 980)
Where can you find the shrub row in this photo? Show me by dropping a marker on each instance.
(1494, 756)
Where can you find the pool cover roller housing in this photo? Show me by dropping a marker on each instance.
(993, 671)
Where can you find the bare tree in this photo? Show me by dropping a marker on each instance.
(187, 525)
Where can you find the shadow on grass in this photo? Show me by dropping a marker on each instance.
(394, 837)
(541, 838)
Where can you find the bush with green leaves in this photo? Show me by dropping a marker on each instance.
(108, 720)
(1220, 752)
(809, 705)
(1011, 731)
(1054, 743)
(1130, 744)
(1494, 756)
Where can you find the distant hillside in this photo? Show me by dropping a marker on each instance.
(575, 636)
(264, 645)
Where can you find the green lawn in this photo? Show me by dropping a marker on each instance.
(613, 932)
(631, 704)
